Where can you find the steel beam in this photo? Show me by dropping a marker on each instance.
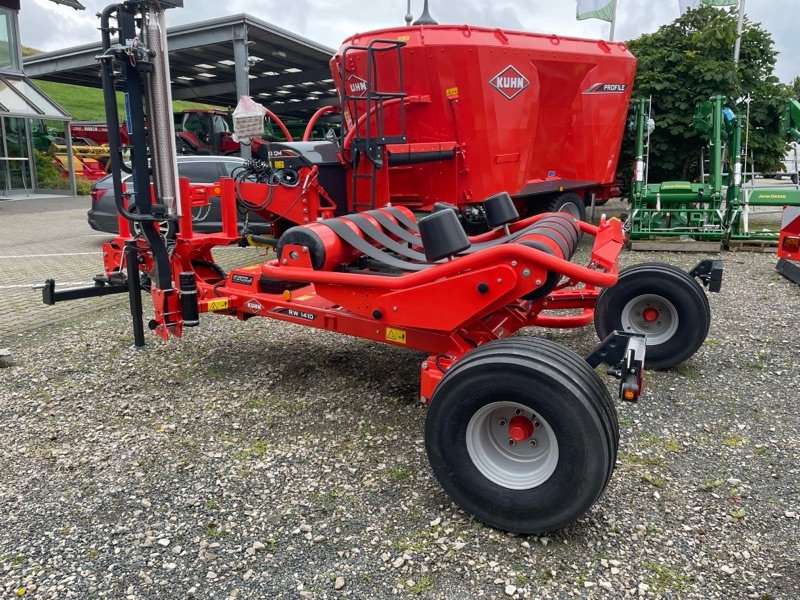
(242, 72)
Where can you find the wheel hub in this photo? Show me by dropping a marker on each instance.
(512, 445)
(650, 314)
(520, 428)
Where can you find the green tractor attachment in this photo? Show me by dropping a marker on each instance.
(682, 208)
(740, 208)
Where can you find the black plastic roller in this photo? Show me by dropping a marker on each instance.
(566, 225)
(442, 235)
(439, 206)
(553, 277)
(304, 236)
(500, 210)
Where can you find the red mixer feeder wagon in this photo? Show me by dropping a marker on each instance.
(520, 431)
(469, 110)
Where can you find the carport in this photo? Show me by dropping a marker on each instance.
(218, 60)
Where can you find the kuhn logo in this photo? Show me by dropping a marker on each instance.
(356, 85)
(509, 82)
(606, 88)
(254, 305)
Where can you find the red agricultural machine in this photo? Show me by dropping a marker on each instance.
(542, 114)
(789, 244)
(520, 431)
(197, 131)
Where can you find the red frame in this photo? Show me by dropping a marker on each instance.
(532, 113)
(347, 302)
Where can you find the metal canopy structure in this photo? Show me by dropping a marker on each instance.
(218, 60)
(71, 3)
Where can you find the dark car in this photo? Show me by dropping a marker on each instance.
(198, 169)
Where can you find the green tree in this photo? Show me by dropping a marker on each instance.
(795, 87)
(690, 60)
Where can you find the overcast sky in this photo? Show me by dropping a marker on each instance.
(48, 26)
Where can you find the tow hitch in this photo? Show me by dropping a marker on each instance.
(709, 272)
(624, 355)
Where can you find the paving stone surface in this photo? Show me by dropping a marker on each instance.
(49, 238)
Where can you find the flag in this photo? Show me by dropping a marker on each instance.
(687, 4)
(596, 9)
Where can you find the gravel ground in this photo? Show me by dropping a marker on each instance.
(265, 460)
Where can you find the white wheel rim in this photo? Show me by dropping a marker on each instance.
(520, 465)
(163, 228)
(571, 209)
(652, 315)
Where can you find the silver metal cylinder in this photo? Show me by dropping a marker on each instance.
(159, 102)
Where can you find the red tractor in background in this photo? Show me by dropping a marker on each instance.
(197, 131)
(210, 131)
(469, 121)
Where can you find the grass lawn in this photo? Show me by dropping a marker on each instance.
(86, 103)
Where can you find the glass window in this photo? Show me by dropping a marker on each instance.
(50, 162)
(8, 40)
(16, 135)
(35, 97)
(220, 125)
(199, 172)
(229, 167)
(13, 102)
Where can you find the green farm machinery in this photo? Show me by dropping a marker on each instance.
(758, 201)
(719, 208)
(682, 208)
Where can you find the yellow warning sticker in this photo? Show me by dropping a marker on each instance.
(395, 335)
(403, 38)
(278, 164)
(218, 304)
(451, 92)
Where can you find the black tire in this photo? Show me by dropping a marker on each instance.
(794, 178)
(568, 202)
(549, 385)
(183, 146)
(208, 271)
(680, 312)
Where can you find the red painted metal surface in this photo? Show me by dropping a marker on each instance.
(532, 113)
(789, 238)
(405, 309)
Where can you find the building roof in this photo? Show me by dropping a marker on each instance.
(288, 74)
(71, 3)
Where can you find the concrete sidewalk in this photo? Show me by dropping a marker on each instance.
(49, 238)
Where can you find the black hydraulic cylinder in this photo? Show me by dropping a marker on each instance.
(110, 103)
(189, 310)
(135, 292)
